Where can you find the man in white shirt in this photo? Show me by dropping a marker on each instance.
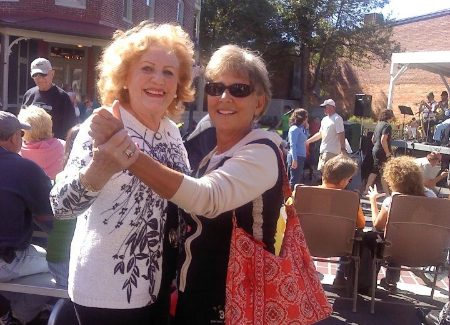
(430, 167)
(331, 133)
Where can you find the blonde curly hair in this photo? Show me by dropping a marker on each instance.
(403, 175)
(40, 121)
(129, 46)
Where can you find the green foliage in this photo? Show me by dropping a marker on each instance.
(247, 23)
(319, 32)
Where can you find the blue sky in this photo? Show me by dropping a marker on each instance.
(410, 8)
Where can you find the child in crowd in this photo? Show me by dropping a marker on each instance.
(403, 176)
(412, 128)
(337, 173)
(59, 239)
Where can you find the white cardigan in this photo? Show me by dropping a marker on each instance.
(116, 252)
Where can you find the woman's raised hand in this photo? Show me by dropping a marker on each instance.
(373, 193)
(105, 122)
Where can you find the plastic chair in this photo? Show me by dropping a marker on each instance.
(417, 235)
(63, 313)
(328, 220)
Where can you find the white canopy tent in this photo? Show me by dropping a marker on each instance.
(436, 62)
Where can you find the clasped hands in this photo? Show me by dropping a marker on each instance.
(114, 150)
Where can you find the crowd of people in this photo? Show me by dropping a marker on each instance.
(133, 211)
(434, 120)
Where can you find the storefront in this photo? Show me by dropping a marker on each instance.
(73, 57)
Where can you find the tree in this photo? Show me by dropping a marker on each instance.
(318, 32)
(247, 23)
(325, 31)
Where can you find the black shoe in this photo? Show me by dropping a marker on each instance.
(9, 319)
(41, 318)
(422, 314)
(391, 287)
(339, 282)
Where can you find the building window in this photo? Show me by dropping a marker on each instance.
(151, 10)
(128, 10)
(180, 12)
(71, 3)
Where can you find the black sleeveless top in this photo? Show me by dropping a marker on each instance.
(204, 257)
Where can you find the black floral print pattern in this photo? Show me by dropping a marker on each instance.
(136, 209)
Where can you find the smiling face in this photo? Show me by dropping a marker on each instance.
(234, 115)
(152, 84)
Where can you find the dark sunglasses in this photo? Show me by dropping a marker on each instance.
(42, 75)
(235, 90)
(22, 133)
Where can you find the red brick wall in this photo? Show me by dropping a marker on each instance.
(427, 34)
(107, 12)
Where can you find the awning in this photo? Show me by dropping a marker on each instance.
(437, 62)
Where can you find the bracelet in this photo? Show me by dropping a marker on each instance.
(88, 187)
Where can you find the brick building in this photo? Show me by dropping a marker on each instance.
(417, 34)
(71, 34)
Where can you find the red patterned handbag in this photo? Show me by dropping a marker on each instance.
(263, 288)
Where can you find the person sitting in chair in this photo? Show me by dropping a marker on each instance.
(403, 176)
(337, 173)
(441, 132)
(428, 109)
(431, 167)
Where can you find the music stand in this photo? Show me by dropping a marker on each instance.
(405, 110)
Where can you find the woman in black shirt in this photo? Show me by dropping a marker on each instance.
(381, 151)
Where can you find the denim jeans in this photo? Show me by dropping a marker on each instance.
(295, 175)
(60, 272)
(439, 129)
(27, 262)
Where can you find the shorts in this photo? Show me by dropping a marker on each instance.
(323, 158)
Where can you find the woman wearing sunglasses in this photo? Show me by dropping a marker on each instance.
(241, 176)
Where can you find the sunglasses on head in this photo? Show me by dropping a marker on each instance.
(235, 90)
(42, 75)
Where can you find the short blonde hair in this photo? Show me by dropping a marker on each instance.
(129, 46)
(244, 63)
(339, 168)
(40, 121)
(403, 175)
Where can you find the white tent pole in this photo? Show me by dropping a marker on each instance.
(445, 83)
(394, 76)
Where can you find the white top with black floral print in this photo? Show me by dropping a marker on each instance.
(116, 252)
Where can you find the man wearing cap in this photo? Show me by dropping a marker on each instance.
(24, 197)
(50, 97)
(331, 133)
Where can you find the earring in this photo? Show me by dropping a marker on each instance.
(125, 87)
(175, 96)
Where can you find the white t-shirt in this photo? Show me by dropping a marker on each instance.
(329, 128)
(428, 171)
(388, 201)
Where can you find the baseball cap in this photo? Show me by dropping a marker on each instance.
(328, 102)
(9, 124)
(40, 65)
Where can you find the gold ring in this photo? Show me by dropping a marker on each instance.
(129, 153)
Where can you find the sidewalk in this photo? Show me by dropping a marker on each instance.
(396, 309)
